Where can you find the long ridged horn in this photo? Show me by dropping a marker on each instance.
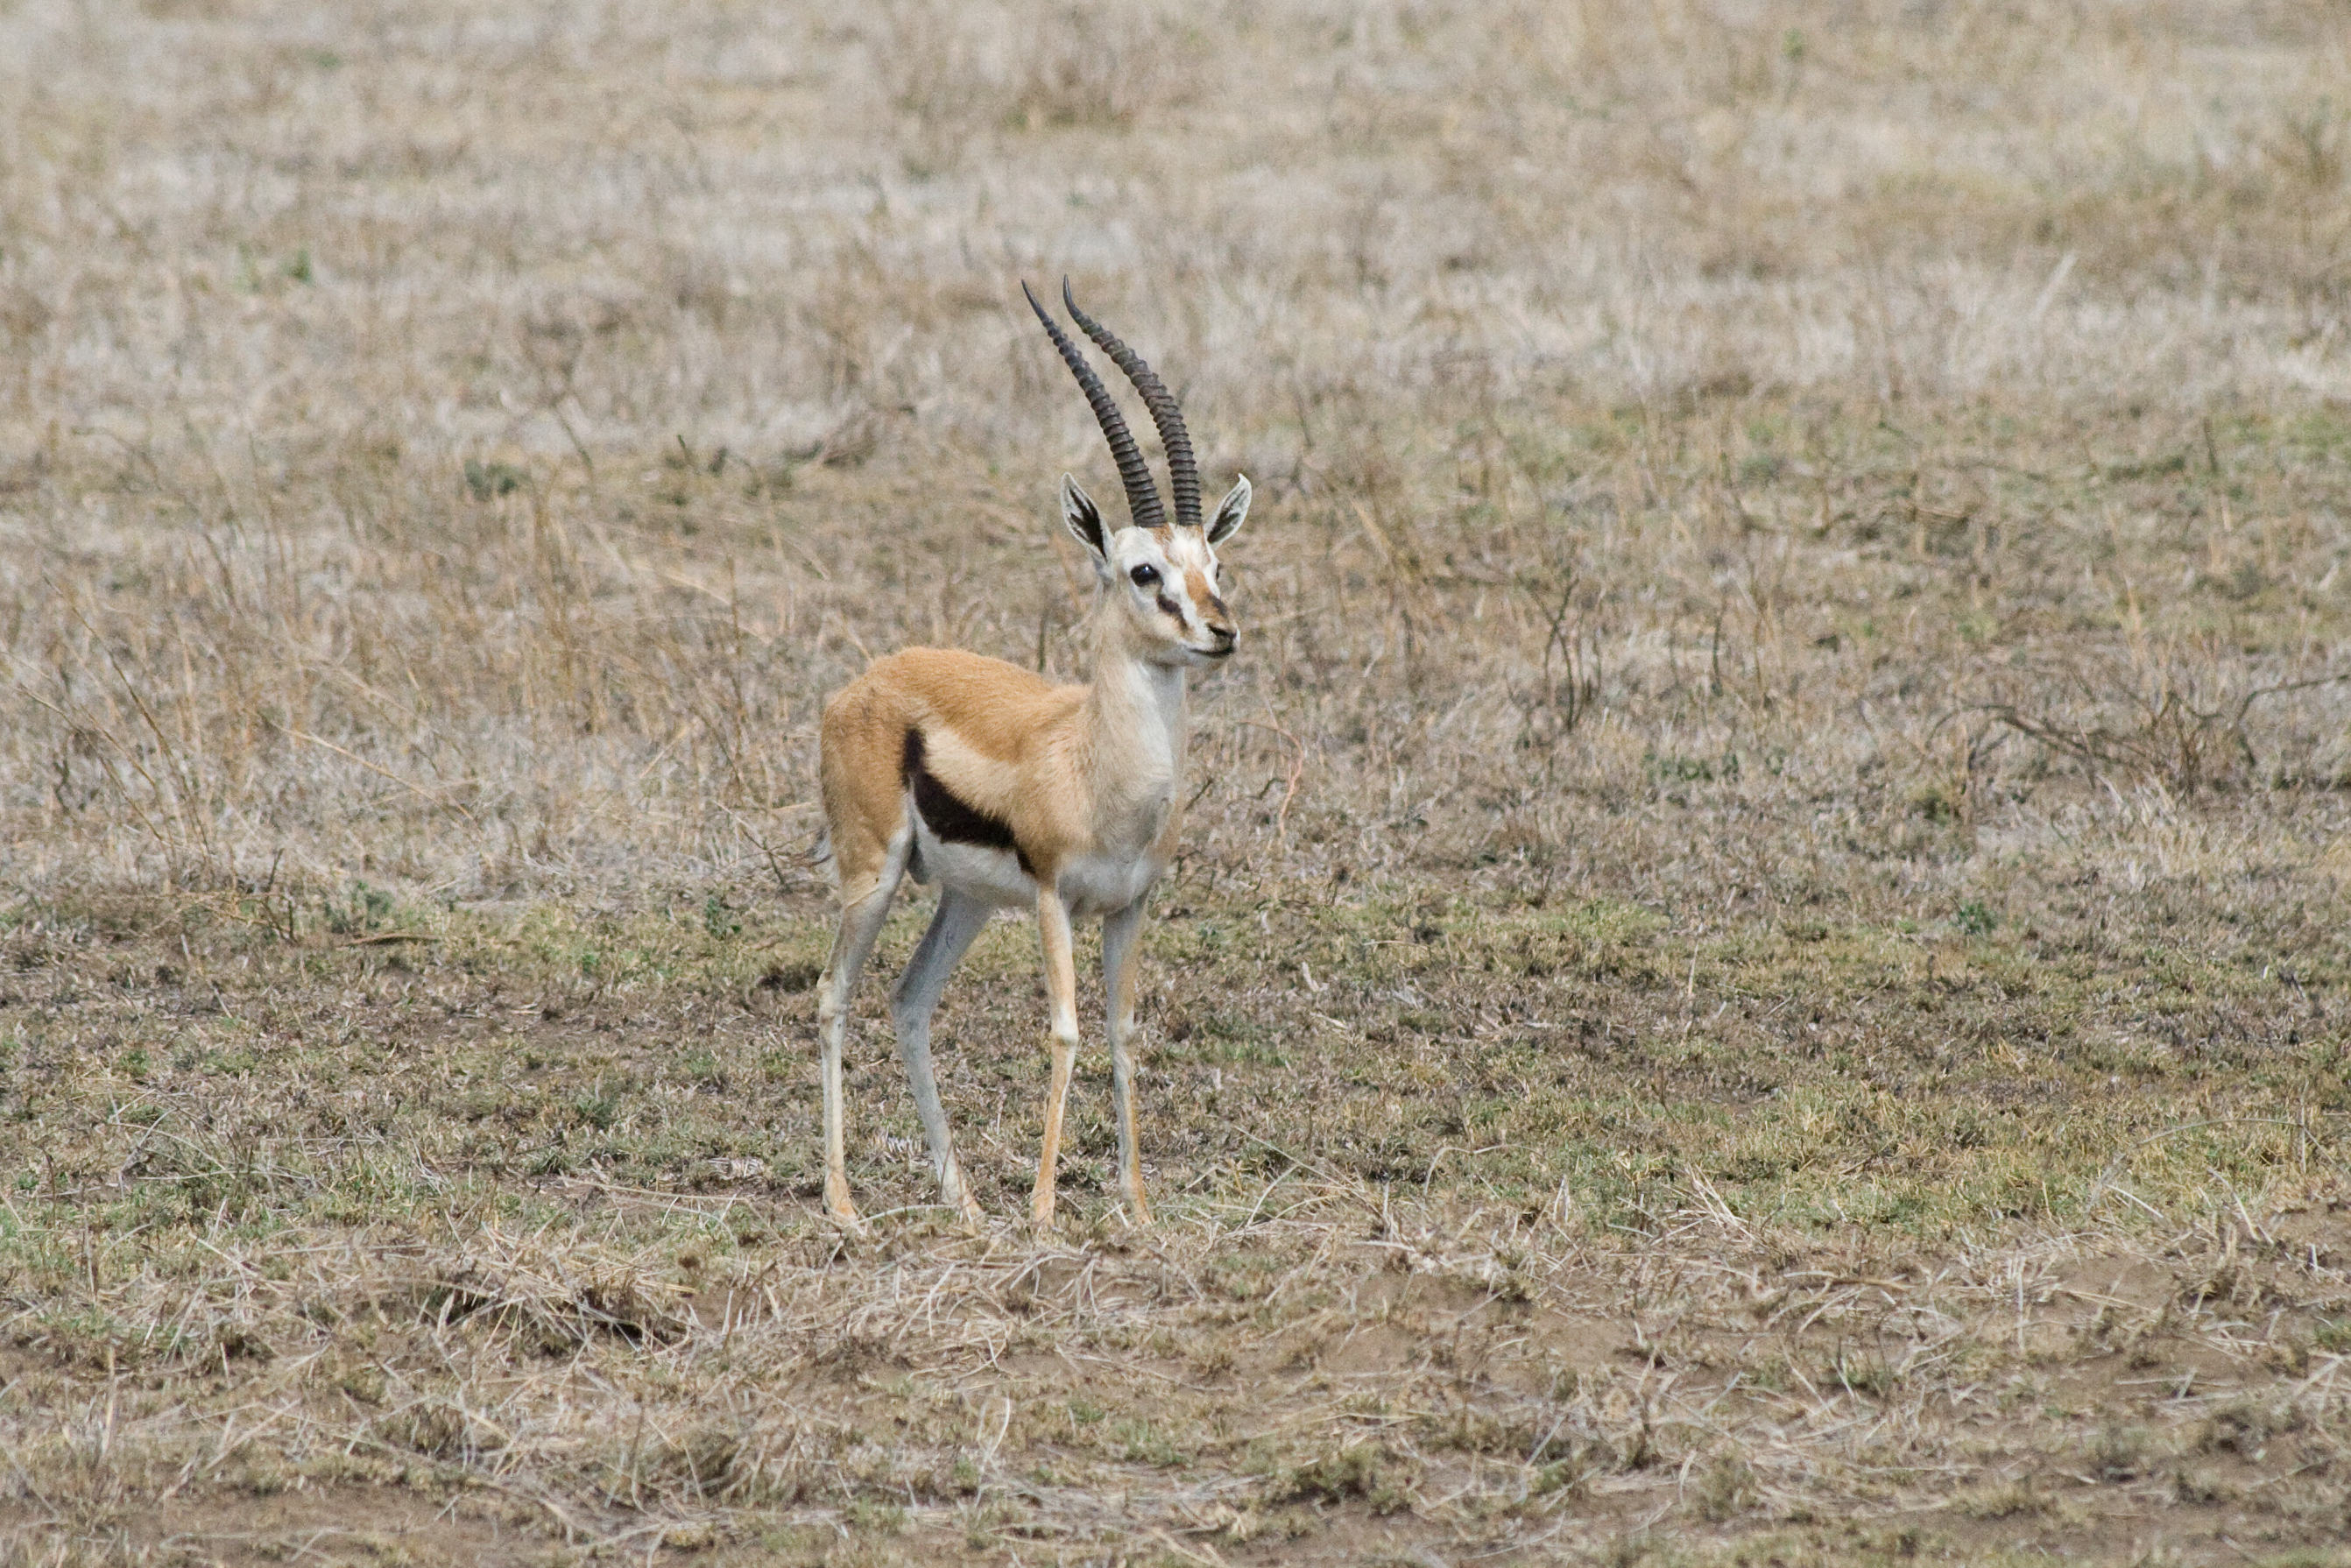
(1183, 473)
(1142, 496)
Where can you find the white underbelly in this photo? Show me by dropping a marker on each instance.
(992, 874)
(1090, 885)
(1097, 884)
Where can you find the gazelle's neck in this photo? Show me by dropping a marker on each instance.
(1135, 713)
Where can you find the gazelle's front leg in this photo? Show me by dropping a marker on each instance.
(1061, 999)
(1119, 932)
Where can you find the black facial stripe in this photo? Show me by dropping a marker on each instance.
(1170, 607)
(948, 815)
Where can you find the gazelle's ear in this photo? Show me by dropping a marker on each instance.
(1231, 512)
(1082, 517)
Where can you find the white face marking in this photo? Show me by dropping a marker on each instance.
(1165, 579)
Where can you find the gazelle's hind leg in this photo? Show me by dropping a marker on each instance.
(957, 923)
(860, 924)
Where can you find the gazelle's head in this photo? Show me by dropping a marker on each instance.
(1162, 576)
(1164, 579)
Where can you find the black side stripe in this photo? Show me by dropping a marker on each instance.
(949, 816)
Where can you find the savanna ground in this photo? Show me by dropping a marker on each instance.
(1759, 972)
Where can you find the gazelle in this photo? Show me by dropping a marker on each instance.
(1008, 791)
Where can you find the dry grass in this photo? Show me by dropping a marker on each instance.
(1758, 972)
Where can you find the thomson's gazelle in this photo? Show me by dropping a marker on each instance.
(1005, 791)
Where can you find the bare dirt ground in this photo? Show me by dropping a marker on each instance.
(1758, 975)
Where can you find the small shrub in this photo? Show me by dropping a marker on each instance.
(368, 909)
(2120, 1452)
(792, 977)
(2245, 1428)
(1725, 1490)
(596, 1109)
(2018, 1498)
(487, 481)
(718, 919)
(1365, 1470)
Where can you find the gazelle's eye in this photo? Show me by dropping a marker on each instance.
(1144, 576)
